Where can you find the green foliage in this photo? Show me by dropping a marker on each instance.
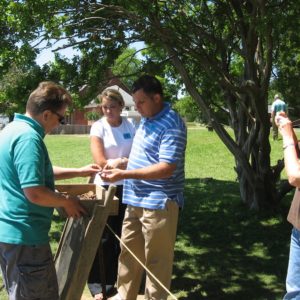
(156, 64)
(16, 86)
(287, 63)
(15, 23)
(92, 115)
(188, 109)
(127, 67)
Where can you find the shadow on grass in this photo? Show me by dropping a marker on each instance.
(225, 251)
(56, 231)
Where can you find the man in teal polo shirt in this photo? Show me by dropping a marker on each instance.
(27, 195)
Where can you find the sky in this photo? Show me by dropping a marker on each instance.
(47, 55)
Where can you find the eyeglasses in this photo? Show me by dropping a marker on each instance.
(61, 119)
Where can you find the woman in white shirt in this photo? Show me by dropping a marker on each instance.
(111, 141)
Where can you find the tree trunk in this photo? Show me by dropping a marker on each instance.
(251, 148)
(253, 137)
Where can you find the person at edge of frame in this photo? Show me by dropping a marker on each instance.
(28, 195)
(292, 167)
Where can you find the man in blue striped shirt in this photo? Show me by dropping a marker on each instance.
(153, 192)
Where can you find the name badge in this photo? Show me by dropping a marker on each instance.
(126, 136)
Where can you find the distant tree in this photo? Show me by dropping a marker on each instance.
(286, 75)
(15, 48)
(92, 115)
(188, 109)
(127, 66)
(15, 87)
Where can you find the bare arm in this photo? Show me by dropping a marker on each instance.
(290, 146)
(43, 196)
(157, 171)
(97, 149)
(65, 173)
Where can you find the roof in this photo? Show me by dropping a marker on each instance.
(92, 104)
(126, 96)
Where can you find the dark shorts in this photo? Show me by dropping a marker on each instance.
(28, 272)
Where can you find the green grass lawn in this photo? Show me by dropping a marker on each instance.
(223, 251)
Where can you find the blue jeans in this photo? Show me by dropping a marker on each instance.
(293, 274)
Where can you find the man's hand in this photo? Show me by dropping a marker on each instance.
(43, 196)
(113, 175)
(73, 208)
(89, 170)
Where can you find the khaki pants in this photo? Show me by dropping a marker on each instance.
(150, 235)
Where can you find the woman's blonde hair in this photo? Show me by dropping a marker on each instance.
(113, 95)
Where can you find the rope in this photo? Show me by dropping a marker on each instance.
(138, 260)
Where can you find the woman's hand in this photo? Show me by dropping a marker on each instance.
(284, 124)
(281, 118)
(112, 175)
(117, 163)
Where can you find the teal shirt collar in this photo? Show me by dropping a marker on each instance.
(33, 123)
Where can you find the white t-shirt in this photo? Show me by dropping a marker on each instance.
(117, 141)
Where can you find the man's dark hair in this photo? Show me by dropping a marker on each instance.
(149, 84)
(48, 96)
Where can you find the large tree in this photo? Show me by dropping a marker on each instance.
(223, 52)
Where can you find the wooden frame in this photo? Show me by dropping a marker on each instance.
(79, 243)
